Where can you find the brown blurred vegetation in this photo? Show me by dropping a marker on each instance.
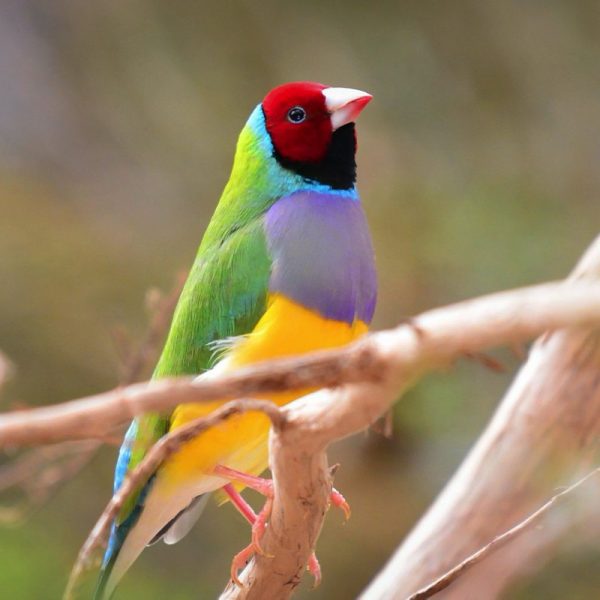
(478, 167)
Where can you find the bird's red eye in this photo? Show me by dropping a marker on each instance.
(296, 115)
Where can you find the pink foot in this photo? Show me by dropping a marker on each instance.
(338, 500)
(239, 562)
(259, 522)
(315, 569)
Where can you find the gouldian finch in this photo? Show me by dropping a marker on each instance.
(285, 267)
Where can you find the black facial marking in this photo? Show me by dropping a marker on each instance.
(337, 169)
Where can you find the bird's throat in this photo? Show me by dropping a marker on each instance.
(337, 169)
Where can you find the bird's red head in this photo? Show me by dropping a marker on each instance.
(302, 117)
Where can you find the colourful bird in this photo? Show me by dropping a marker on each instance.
(285, 267)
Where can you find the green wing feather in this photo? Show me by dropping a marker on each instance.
(225, 295)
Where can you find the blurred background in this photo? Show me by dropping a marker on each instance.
(478, 168)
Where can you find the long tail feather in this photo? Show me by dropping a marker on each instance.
(129, 539)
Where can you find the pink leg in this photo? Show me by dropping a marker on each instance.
(259, 524)
(260, 484)
(243, 507)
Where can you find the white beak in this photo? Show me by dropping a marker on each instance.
(344, 104)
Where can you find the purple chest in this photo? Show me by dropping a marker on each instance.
(322, 255)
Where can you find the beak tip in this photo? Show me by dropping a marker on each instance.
(364, 100)
(345, 104)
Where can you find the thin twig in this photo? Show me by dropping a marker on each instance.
(385, 425)
(164, 448)
(161, 308)
(40, 472)
(7, 369)
(96, 416)
(498, 542)
(489, 362)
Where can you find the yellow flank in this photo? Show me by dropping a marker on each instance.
(286, 328)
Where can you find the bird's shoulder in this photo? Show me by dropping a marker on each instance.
(224, 296)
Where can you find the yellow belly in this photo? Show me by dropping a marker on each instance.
(285, 329)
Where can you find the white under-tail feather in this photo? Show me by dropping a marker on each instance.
(184, 523)
(161, 505)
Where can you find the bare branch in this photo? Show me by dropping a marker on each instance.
(161, 309)
(545, 429)
(40, 472)
(388, 361)
(498, 542)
